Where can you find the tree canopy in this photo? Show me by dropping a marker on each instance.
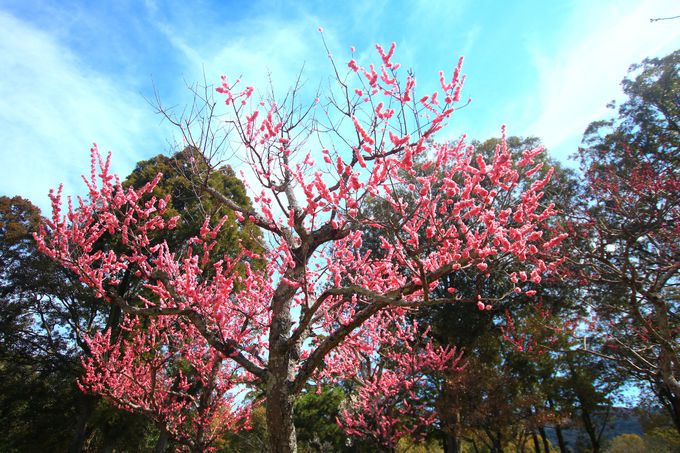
(359, 285)
(317, 301)
(632, 220)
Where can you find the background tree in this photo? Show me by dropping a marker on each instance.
(659, 431)
(191, 391)
(316, 414)
(45, 313)
(632, 259)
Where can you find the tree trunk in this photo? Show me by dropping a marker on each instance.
(280, 399)
(452, 442)
(537, 446)
(162, 442)
(86, 405)
(589, 426)
(544, 438)
(675, 415)
(280, 418)
(496, 442)
(281, 369)
(558, 429)
(667, 360)
(560, 439)
(521, 439)
(668, 400)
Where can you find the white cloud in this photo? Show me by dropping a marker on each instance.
(577, 80)
(52, 107)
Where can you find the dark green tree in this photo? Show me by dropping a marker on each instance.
(43, 317)
(315, 420)
(521, 373)
(630, 218)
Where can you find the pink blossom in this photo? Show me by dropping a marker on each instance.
(219, 315)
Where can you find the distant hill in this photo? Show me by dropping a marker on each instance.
(621, 420)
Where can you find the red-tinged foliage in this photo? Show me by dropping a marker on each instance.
(632, 265)
(321, 306)
(632, 226)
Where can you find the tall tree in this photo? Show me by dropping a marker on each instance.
(45, 312)
(632, 214)
(318, 300)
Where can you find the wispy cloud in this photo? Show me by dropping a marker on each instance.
(52, 106)
(253, 48)
(578, 79)
(72, 74)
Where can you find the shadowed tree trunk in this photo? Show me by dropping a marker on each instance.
(537, 446)
(671, 401)
(86, 405)
(544, 438)
(162, 442)
(452, 442)
(589, 425)
(560, 439)
(558, 430)
(280, 398)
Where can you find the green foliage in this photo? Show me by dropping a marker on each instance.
(510, 386)
(37, 365)
(187, 200)
(662, 440)
(32, 402)
(649, 119)
(658, 440)
(315, 415)
(408, 446)
(627, 443)
(255, 439)
(660, 433)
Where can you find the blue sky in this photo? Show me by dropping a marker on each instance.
(73, 73)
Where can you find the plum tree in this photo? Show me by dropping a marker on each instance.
(209, 326)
